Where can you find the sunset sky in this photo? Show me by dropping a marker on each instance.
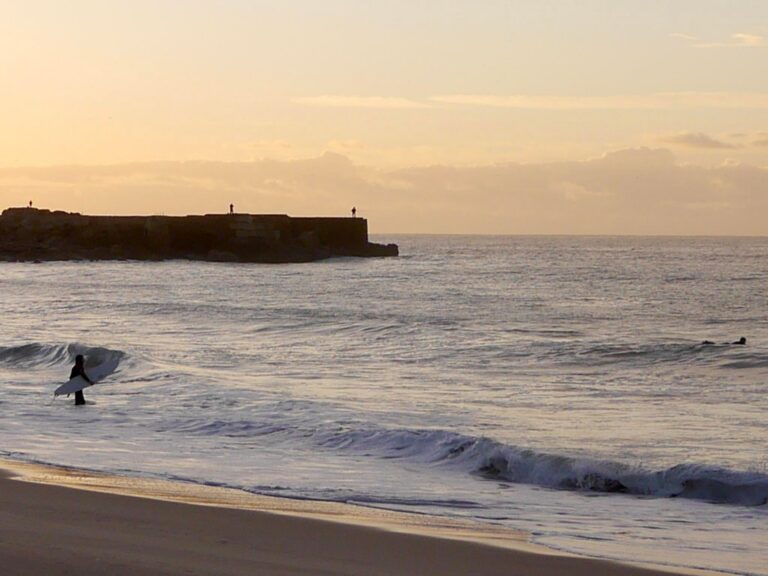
(582, 116)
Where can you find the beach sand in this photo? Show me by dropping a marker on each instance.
(62, 521)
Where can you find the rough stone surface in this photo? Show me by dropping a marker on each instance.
(32, 234)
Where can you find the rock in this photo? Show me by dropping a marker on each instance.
(30, 234)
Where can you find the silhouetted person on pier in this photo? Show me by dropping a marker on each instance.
(30, 203)
(354, 212)
(79, 370)
(231, 208)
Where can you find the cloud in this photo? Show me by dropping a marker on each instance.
(633, 191)
(696, 140)
(373, 102)
(738, 40)
(546, 102)
(749, 39)
(658, 101)
(747, 139)
(683, 36)
(757, 139)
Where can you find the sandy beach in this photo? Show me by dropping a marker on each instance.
(62, 521)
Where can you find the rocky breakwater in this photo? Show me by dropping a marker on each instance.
(33, 234)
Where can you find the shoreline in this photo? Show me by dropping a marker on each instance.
(185, 513)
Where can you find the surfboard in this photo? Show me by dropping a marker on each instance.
(95, 374)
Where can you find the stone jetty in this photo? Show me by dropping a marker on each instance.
(29, 234)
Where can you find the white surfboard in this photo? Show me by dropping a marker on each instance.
(95, 374)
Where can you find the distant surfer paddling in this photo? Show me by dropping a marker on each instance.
(740, 342)
(79, 370)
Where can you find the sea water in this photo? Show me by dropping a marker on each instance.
(555, 384)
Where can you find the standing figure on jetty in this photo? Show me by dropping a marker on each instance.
(79, 370)
(354, 212)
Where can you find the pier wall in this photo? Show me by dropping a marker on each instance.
(30, 233)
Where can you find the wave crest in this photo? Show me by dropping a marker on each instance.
(487, 458)
(36, 355)
(721, 355)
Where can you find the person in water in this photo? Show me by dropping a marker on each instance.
(79, 370)
(740, 342)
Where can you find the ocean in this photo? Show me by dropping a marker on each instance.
(559, 385)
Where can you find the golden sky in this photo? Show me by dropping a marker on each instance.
(490, 116)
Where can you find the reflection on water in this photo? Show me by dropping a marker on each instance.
(558, 385)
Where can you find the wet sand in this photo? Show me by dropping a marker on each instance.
(59, 521)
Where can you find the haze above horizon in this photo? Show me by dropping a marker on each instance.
(505, 117)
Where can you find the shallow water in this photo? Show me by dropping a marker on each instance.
(554, 384)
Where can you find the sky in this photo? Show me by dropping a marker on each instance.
(452, 116)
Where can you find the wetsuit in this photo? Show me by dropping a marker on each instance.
(79, 371)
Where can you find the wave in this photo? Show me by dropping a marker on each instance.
(490, 459)
(545, 332)
(650, 353)
(747, 361)
(487, 458)
(38, 355)
(721, 355)
(233, 429)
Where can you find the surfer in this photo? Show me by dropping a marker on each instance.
(740, 342)
(79, 370)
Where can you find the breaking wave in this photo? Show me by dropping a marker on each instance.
(501, 462)
(37, 355)
(487, 458)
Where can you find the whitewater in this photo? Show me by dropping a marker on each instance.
(560, 385)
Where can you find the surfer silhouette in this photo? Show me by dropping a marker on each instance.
(740, 342)
(79, 370)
